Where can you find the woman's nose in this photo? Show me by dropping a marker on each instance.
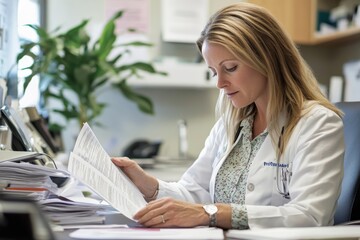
(221, 82)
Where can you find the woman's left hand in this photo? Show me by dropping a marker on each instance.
(168, 212)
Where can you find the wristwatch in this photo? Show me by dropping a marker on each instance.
(211, 210)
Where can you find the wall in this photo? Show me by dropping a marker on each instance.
(327, 60)
(122, 121)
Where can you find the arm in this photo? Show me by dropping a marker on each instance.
(168, 212)
(147, 184)
(194, 184)
(185, 207)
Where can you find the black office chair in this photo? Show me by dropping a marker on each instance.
(348, 209)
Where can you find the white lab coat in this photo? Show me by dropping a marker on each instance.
(315, 156)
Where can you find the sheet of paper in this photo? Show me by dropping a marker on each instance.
(336, 89)
(331, 232)
(150, 233)
(352, 81)
(183, 20)
(97, 226)
(136, 14)
(90, 163)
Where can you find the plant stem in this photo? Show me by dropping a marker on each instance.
(82, 113)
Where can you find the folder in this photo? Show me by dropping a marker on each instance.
(17, 156)
(25, 156)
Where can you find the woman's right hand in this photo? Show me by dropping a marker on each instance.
(146, 183)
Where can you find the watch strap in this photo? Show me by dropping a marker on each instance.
(212, 220)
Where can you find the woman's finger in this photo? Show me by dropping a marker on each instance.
(153, 211)
(122, 161)
(151, 217)
(151, 206)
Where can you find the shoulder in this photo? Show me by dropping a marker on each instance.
(318, 125)
(313, 111)
(317, 119)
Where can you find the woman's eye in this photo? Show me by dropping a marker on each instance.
(232, 69)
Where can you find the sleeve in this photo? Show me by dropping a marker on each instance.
(194, 184)
(316, 149)
(239, 219)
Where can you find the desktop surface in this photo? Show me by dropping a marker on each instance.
(117, 218)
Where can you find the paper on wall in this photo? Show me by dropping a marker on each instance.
(183, 20)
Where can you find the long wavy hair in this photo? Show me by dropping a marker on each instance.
(251, 34)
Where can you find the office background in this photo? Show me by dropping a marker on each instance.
(123, 122)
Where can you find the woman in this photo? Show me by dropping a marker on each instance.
(275, 156)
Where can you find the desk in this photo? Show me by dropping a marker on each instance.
(167, 171)
(120, 219)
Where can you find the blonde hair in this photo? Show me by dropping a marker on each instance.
(250, 33)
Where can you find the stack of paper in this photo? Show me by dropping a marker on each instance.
(25, 180)
(63, 211)
(41, 183)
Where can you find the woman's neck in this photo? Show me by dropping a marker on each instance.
(260, 123)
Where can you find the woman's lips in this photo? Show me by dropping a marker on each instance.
(231, 94)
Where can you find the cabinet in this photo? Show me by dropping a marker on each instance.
(299, 18)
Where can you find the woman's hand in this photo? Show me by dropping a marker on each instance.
(146, 183)
(168, 212)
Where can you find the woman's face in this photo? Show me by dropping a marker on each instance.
(242, 84)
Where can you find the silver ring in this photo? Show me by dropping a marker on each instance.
(162, 218)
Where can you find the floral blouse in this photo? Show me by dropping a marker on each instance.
(230, 185)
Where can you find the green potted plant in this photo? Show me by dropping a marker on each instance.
(69, 63)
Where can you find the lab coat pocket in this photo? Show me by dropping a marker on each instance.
(280, 194)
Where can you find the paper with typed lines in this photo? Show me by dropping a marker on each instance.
(90, 163)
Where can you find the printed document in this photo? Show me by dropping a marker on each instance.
(150, 233)
(90, 163)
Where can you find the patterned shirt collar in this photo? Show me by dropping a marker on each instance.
(247, 125)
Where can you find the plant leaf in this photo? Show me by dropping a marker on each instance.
(41, 32)
(67, 61)
(108, 37)
(143, 102)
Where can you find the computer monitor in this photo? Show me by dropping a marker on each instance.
(23, 219)
(20, 136)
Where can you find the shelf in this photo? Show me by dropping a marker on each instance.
(299, 19)
(179, 75)
(350, 33)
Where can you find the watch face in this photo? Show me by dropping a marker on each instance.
(210, 209)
